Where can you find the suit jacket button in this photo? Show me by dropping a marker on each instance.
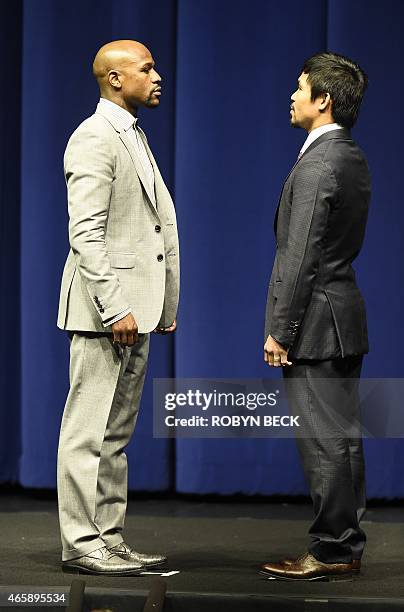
(160, 257)
(102, 310)
(157, 229)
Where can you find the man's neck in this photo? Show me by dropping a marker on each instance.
(319, 122)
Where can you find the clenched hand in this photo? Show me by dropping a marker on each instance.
(125, 331)
(274, 353)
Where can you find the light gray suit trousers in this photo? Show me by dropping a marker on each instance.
(106, 383)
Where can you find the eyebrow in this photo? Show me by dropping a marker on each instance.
(147, 64)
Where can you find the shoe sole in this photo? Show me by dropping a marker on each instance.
(147, 565)
(323, 578)
(75, 569)
(157, 564)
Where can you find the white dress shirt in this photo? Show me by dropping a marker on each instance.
(316, 133)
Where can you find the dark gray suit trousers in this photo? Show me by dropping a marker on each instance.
(325, 396)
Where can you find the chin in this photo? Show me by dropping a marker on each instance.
(152, 103)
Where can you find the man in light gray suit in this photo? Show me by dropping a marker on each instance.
(120, 282)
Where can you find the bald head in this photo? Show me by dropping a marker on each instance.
(124, 70)
(117, 55)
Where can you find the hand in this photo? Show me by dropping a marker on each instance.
(274, 353)
(166, 330)
(125, 331)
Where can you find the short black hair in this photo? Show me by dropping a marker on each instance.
(343, 79)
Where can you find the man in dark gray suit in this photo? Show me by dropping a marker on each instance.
(315, 316)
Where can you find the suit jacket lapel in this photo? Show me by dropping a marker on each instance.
(344, 134)
(138, 165)
(131, 150)
(158, 181)
(280, 197)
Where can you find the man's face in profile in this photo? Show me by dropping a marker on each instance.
(141, 82)
(303, 109)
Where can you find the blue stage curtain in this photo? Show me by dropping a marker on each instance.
(233, 149)
(372, 32)
(223, 142)
(60, 41)
(10, 363)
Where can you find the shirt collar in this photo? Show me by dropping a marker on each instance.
(317, 132)
(121, 115)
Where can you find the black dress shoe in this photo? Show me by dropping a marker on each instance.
(126, 552)
(102, 562)
(309, 568)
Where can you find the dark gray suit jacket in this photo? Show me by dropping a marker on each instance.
(314, 306)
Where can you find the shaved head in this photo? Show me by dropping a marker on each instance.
(124, 70)
(116, 55)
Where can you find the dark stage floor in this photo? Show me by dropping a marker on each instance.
(216, 546)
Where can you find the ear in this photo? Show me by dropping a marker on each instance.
(324, 102)
(114, 79)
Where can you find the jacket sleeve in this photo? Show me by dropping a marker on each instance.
(314, 194)
(89, 172)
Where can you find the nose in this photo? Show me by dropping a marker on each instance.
(156, 78)
(292, 97)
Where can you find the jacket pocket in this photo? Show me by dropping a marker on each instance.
(122, 260)
(349, 315)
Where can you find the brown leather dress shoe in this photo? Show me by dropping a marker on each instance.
(356, 564)
(308, 568)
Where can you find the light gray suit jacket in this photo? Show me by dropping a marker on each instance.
(124, 249)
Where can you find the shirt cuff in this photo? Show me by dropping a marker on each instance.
(118, 317)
